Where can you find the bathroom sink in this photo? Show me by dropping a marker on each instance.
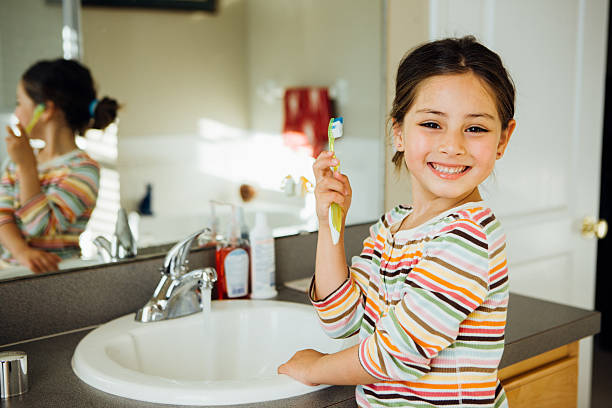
(230, 359)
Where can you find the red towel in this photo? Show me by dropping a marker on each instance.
(307, 114)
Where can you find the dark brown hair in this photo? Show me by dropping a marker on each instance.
(450, 56)
(69, 85)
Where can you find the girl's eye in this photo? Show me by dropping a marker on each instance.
(431, 125)
(476, 129)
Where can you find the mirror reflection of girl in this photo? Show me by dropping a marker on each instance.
(429, 292)
(47, 197)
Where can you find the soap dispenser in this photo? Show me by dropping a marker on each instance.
(232, 261)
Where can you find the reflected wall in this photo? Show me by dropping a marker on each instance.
(203, 109)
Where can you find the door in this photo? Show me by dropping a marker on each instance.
(549, 179)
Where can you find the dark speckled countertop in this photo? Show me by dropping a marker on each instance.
(534, 326)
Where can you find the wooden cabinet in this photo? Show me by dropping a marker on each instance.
(548, 380)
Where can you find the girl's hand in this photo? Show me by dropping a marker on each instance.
(19, 148)
(331, 187)
(38, 261)
(300, 365)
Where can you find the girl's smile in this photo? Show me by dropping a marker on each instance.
(447, 171)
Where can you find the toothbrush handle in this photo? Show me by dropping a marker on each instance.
(331, 149)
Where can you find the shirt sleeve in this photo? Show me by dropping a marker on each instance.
(63, 202)
(443, 288)
(7, 202)
(340, 313)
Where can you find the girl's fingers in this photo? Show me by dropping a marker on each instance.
(329, 183)
(36, 267)
(322, 165)
(10, 132)
(21, 129)
(52, 261)
(345, 181)
(46, 262)
(333, 197)
(42, 264)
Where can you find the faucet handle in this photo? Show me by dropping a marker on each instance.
(176, 259)
(125, 239)
(104, 248)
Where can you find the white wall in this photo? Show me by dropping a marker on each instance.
(169, 70)
(193, 123)
(337, 44)
(30, 30)
(407, 26)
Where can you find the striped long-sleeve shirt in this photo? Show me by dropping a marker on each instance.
(429, 304)
(53, 219)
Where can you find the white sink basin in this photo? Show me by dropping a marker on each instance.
(181, 362)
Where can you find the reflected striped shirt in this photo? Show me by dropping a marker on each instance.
(53, 219)
(429, 305)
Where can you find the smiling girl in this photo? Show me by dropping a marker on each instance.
(428, 295)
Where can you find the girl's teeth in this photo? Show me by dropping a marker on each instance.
(448, 170)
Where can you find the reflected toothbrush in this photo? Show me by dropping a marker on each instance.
(334, 131)
(38, 111)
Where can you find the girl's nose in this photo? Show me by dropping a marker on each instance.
(452, 143)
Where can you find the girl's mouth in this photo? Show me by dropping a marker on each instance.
(448, 172)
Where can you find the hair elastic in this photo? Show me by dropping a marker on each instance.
(92, 107)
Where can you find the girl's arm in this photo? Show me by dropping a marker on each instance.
(71, 196)
(313, 368)
(29, 184)
(11, 238)
(36, 260)
(330, 265)
(442, 289)
(21, 153)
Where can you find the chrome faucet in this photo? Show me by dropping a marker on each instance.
(122, 244)
(179, 292)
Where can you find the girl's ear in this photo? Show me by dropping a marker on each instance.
(49, 111)
(398, 141)
(505, 138)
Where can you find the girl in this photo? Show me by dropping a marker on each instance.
(429, 292)
(47, 197)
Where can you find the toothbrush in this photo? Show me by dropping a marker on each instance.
(334, 131)
(38, 111)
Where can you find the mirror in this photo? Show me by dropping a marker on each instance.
(202, 113)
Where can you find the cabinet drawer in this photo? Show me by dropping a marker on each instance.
(553, 385)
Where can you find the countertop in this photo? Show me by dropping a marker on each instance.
(534, 326)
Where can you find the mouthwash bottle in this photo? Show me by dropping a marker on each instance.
(233, 266)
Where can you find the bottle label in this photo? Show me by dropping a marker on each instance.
(236, 266)
(263, 265)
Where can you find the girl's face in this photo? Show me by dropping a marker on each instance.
(451, 137)
(25, 106)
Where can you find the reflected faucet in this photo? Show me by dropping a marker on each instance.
(179, 292)
(122, 244)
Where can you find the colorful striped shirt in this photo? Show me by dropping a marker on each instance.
(429, 304)
(53, 219)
